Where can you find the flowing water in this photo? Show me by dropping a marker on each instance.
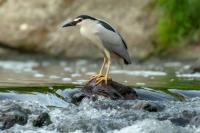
(46, 86)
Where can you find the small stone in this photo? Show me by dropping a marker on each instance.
(42, 120)
(77, 98)
(149, 106)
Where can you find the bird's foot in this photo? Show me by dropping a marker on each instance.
(101, 79)
(96, 76)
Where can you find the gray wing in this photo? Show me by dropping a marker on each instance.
(113, 42)
(109, 27)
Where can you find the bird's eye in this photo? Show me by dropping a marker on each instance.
(78, 20)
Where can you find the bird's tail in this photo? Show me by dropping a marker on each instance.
(127, 60)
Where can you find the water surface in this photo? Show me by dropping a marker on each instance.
(46, 85)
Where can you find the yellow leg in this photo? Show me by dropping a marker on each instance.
(104, 78)
(107, 71)
(108, 62)
(100, 73)
(102, 67)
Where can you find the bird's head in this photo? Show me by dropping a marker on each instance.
(79, 20)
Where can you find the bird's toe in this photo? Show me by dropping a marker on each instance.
(102, 79)
(96, 76)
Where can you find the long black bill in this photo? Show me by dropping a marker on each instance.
(72, 23)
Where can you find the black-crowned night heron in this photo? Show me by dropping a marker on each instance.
(106, 38)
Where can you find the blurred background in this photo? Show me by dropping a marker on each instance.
(157, 28)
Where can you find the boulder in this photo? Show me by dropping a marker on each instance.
(112, 90)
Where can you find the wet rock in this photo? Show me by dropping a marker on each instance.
(13, 115)
(78, 97)
(149, 106)
(188, 114)
(182, 119)
(195, 121)
(152, 107)
(111, 90)
(179, 121)
(42, 120)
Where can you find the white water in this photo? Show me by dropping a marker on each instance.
(94, 117)
(109, 116)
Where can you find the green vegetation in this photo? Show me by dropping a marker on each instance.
(178, 22)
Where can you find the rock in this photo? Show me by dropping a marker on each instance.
(111, 90)
(42, 120)
(182, 119)
(149, 106)
(195, 121)
(186, 114)
(77, 97)
(152, 107)
(13, 115)
(36, 25)
(179, 121)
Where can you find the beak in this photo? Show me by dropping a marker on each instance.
(72, 23)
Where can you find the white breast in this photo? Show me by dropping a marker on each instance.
(90, 30)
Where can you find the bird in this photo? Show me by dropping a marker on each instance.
(105, 37)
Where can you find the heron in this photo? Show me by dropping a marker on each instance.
(106, 38)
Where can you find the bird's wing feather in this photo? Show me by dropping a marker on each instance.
(106, 25)
(113, 42)
(109, 27)
(123, 41)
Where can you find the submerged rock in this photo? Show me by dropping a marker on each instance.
(42, 120)
(195, 121)
(183, 119)
(150, 106)
(179, 121)
(111, 90)
(11, 115)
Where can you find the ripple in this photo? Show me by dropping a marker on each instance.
(139, 73)
(194, 75)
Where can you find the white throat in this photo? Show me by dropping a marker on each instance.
(89, 29)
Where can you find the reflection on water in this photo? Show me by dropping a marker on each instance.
(48, 85)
